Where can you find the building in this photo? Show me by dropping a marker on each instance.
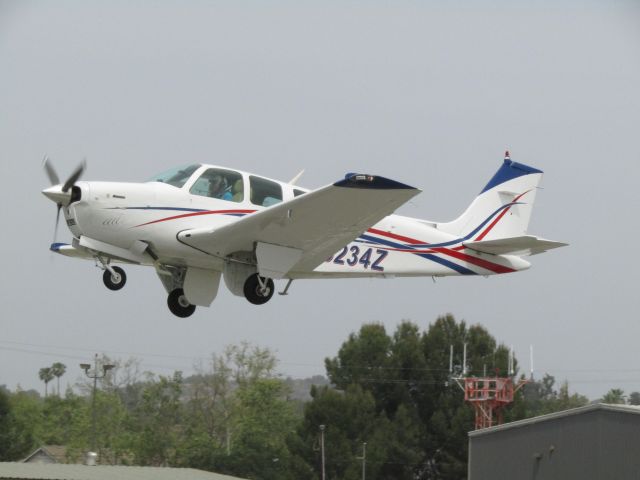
(55, 471)
(593, 442)
(49, 454)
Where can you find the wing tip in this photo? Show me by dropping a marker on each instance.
(372, 182)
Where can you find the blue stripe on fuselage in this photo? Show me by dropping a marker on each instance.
(453, 266)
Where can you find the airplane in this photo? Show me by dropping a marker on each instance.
(199, 223)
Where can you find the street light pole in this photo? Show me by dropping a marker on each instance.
(95, 376)
(322, 449)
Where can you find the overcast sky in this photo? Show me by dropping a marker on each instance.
(428, 93)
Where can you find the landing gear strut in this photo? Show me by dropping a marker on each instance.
(179, 305)
(258, 290)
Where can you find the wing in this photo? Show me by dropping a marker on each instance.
(298, 235)
(524, 245)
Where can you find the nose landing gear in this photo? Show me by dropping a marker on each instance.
(114, 278)
(258, 290)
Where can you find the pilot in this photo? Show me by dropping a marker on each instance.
(218, 188)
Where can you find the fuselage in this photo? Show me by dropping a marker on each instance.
(155, 212)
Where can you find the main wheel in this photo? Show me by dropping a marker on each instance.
(179, 305)
(114, 282)
(256, 293)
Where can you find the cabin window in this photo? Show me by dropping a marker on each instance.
(177, 176)
(265, 192)
(218, 183)
(297, 193)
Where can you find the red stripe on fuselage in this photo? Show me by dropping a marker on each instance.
(494, 267)
(499, 217)
(194, 214)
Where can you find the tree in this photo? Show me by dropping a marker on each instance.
(57, 370)
(6, 439)
(445, 417)
(22, 424)
(156, 421)
(615, 396)
(263, 421)
(634, 398)
(46, 375)
(418, 412)
(540, 397)
(238, 416)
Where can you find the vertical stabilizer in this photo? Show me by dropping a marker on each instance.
(503, 208)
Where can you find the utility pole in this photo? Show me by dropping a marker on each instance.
(322, 449)
(95, 376)
(364, 460)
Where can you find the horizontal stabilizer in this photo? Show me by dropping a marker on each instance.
(522, 246)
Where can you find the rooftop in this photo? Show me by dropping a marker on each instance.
(54, 471)
(632, 409)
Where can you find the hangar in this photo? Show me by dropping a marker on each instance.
(596, 441)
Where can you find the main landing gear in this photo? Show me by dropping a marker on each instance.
(258, 290)
(179, 305)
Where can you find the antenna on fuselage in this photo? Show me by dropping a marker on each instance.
(295, 179)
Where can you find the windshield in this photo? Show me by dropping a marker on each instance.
(177, 176)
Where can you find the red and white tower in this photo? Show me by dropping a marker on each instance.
(489, 395)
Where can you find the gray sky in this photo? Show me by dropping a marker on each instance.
(421, 92)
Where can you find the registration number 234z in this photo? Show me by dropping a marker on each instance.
(352, 256)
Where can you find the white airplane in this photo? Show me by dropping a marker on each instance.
(197, 223)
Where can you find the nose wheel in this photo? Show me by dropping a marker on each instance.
(179, 305)
(114, 278)
(258, 290)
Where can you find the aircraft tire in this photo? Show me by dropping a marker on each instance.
(179, 305)
(253, 291)
(109, 282)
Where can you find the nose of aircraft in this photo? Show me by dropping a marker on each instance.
(56, 195)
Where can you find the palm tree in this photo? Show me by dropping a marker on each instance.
(58, 369)
(46, 376)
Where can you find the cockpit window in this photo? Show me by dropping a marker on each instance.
(219, 183)
(265, 192)
(177, 176)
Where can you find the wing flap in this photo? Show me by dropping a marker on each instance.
(317, 223)
(523, 245)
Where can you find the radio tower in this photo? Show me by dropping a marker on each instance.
(488, 395)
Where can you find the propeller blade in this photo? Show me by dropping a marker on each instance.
(55, 231)
(74, 176)
(50, 171)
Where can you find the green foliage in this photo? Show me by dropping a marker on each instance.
(614, 396)
(21, 425)
(540, 398)
(157, 422)
(393, 392)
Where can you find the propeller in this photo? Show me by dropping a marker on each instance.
(58, 192)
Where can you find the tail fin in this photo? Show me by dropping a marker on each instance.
(503, 208)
